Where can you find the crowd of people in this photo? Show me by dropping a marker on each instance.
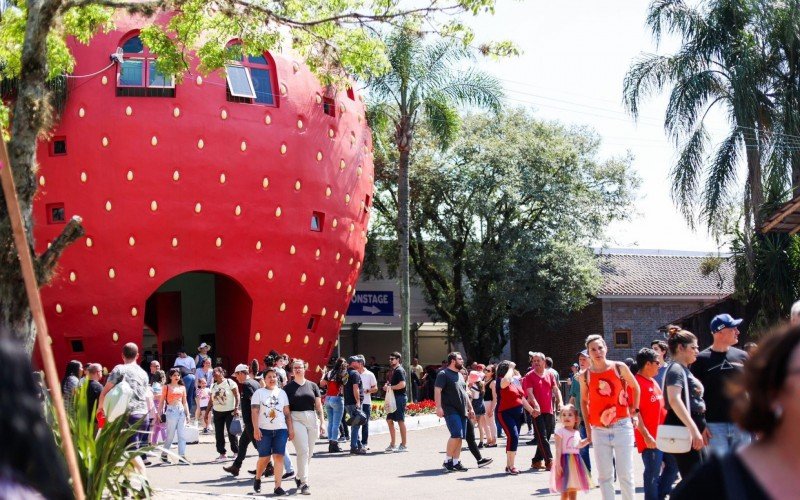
(673, 403)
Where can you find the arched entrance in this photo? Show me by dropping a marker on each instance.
(196, 307)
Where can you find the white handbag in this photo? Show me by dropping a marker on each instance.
(674, 438)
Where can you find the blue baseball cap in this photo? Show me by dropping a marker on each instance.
(722, 321)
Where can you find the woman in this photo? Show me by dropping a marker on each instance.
(767, 403)
(305, 404)
(605, 386)
(678, 382)
(205, 371)
(270, 409)
(176, 406)
(334, 404)
(509, 410)
(489, 403)
(159, 428)
(225, 402)
(476, 392)
(70, 382)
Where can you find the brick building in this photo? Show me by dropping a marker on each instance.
(642, 290)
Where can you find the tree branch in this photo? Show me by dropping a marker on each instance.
(46, 263)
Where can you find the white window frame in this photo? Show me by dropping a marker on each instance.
(252, 94)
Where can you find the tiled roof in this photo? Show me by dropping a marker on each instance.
(662, 275)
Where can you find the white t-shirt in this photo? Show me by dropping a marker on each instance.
(270, 405)
(186, 362)
(368, 381)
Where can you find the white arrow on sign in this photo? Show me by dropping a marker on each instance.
(371, 309)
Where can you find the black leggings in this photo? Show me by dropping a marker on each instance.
(471, 444)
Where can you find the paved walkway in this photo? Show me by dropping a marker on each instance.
(411, 475)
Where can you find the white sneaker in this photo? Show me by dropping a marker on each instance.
(390, 449)
(402, 448)
(221, 458)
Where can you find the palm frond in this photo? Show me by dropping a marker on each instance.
(721, 176)
(687, 171)
(442, 119)
(689, 98)
(648, 75)
(474, 88)
(673, 17)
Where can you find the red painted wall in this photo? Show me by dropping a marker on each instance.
(136, 170)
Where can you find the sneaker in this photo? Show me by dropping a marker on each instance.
(448, 466)
(279, 492)
(286, 475)
(164, 458)
(305, 490)
(147, 462)
(298, 482)
(185, 460)
(232, 469)
(253, 472)
(358, 451)
(221, 458)
(257, 485)
(402, 448)
(491, 445)
(459, 467)
(480, 445)
(343, 439)
(483, 462)
(390, 449)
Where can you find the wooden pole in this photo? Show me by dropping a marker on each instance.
(35, 301)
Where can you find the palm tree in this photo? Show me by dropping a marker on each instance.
(724, 61)
(425, 85)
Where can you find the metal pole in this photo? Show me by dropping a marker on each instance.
(35, 301)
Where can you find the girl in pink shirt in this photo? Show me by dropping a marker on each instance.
(569, 474)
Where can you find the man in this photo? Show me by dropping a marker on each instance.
(541, 388)
(187, 367)
(94, 372)
(661, 348)
(249, 387)
(416, 378)
(575, 400)
(154, 367)
(353, 395)
(280, 366)
(715, 367)
(658, 479)
(397, 383)
(225, 402)
(370, 386)
(452, 404)
(130, 372)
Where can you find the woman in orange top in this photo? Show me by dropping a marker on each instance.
(607, 408)
(176, 408)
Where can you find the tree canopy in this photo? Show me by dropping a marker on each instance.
(502, 221)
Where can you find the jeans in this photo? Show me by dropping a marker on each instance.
(334, 409)
(244, 442)
(188, 381)
(726, 437)
(176, 420)
(222, 422)
(657, 482)
(306, 432)
(142, 436)
(584, 452)
(614, 444)
(354, 442)
(511, 420)
(367, 409)
(543, 423)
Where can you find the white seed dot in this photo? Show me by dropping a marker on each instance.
(282, 307)
(358, 172)
(335, 223)
(341, 164)
(84, 177)
(283, 149)
(154, 141)
(218, 242)
(338, 256)
(265, 182)
(176, 112)
(151, 272)
(176, 176)
(346, 199)
(199, 80)
(89, 242)
(223, 114)
(292, 250)
(59, 309)
(300, 124)
(222, 178)
(105, 141)
(73, 277)
(258, 245)
(335, 314)
(198, 208)
(349, 288)
(200, 144)
(305, 309)
(128, 110)
(297, 186)
(319, 155)
(321, 341)
(338, 285)
(318, 98)
(322, 281)
(95, 311)
(267, 119)
(174, 242)
(237, 211)
(104, 80)
(129, 175)
(331, 133)
(270, 274)
(288, 337)
(284, 89)
(278, 212)
(41, 180)
(316, 254)
(112, 273)
(134, 311)
(81, 112)
(131, 241)
(328, 192)
(352, 227)
(115, 336)
(153, 205)
(243, 146)
(303, 278)
(258, 336)
(108, 206)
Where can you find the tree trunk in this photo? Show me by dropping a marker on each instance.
(403, 142)
(32, 113)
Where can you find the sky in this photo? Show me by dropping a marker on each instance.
(575, 56)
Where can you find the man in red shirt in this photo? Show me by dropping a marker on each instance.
(657, 482)
(541, 388)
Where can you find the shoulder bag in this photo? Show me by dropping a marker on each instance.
(674, 438)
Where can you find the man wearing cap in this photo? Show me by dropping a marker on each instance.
(187, 367)
(574, 398)
(370, 386)
(353, 395)
(248, 388)
(715, 367)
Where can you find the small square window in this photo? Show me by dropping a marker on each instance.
(56, 213)
(317, 221)
(313, 322)
(77, 345)
(58, 146)
(351, 94)
(329, 106)
(622, 338)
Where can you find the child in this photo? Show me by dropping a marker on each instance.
(203, 403)
(476, 389)
(569, 473)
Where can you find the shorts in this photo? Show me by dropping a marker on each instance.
(457, 425)
(399, 414)
(272, 442)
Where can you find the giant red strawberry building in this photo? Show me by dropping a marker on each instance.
(229, 208)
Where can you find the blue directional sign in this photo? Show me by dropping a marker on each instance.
(371, 303)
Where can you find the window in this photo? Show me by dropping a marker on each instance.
(58, 146)
(56, 213)
(622, 338)
(137, 75)
(351, 94)
(329, 106)
(77, 345)
(367, 202)
(313, 322)
(317, 221)
(252, 80)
